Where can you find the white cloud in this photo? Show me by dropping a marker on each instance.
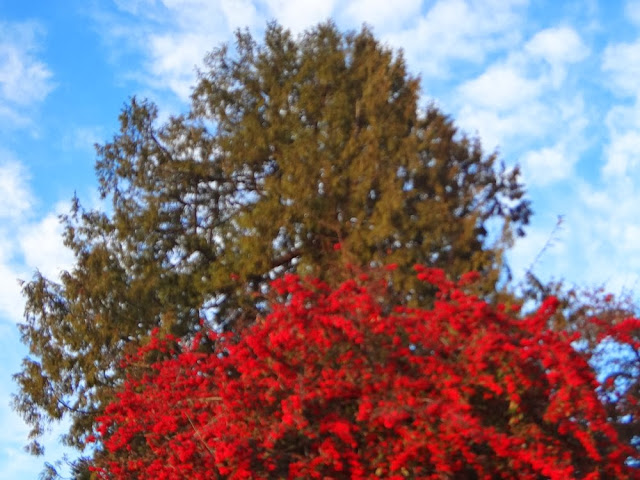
(621, 61)
(513, 129)
(607, 224)
(500, 87)
(597, 242)
(629, 239)
(522, 104)
(383, 15)
(15, 461)
(239, 13)
(25, 243)
(623, 117)
(520, 123)
(632, 11)
(204, 17)
(174, 59)
(11, 302)
(83, 138)
(557, 45)
(546, 165)
(42, 247)
(520, 77)
(622, 153)
(24, 80)
(545, 137)
(298, 15)
(455, 30)
(136, 7)
(13, 118)
(174, 35)
(15, 208)
(14, 191)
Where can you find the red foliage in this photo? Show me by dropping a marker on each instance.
(330, 385)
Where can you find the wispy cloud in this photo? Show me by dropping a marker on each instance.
(15, 461)
(17, 199)
(15, 209)
(297, 15)
(501, 87)
(559, 47)
(608, 228)
(174, 35)
(607, 211)
(522, 102)
(27, 242)
(621, 65)
(41, 244)
(632, 11)
(24, 79)
(83, 138)
(383, 15)
(621, 62)
(459, 30)
(548, 164)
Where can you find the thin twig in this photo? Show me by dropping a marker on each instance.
(547, 244)
(198, 435)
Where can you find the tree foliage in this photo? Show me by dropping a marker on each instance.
(290, 147)
(328, 385)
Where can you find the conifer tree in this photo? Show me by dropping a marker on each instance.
(298, 154)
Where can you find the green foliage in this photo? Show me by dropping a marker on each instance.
(298, 155)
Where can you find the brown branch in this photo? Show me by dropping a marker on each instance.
(198, 435)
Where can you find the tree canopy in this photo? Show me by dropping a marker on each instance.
(328, 385)
(297, 155)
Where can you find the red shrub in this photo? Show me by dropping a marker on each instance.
(330, 385)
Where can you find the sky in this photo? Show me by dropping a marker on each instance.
(553, 87)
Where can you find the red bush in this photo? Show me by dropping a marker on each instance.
(330, 385)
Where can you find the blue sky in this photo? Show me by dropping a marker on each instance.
(553, 86)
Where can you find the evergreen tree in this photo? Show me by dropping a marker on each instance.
(298, 155)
